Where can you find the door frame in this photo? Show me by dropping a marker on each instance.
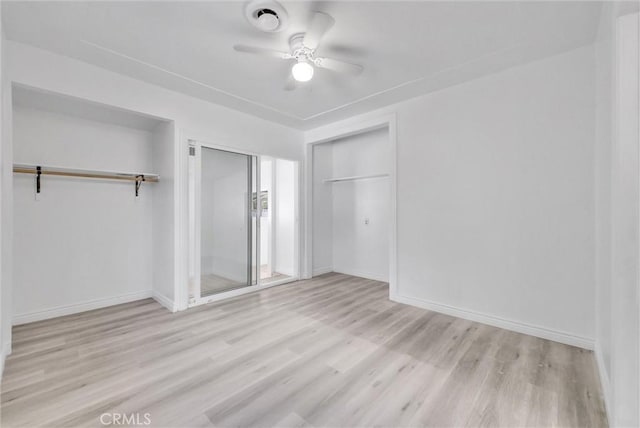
(196, 301)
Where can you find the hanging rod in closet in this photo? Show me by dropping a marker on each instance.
(39, 170)
(355, 178)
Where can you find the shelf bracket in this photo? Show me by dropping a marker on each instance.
(38, 174)
(139, 180)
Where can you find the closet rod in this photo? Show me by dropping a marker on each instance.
(355, 178)
(38, 171)
(69, 172)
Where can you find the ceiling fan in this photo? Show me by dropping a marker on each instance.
(303, 50)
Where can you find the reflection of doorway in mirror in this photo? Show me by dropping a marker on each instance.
(277, 221)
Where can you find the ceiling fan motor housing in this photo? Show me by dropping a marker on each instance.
(267, 15)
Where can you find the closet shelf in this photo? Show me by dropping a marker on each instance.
(354, 178)
(39, 170)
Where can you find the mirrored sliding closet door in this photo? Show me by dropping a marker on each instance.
(243, 222)
(224, 227)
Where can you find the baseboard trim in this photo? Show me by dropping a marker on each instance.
(519, 327)
(165, 301)
(75, 308)
(322, 271)
(362, 274)
(604, 382)
(3, 357)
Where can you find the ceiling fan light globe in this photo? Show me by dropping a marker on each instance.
(302, 71)
(268, 22)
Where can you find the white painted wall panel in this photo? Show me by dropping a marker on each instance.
(625, 265)
(617, 199)
(604, 51)
(322, 210)
(163, 219)
(5, 306)
(496, 203)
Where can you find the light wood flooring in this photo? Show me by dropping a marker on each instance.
(327, 352)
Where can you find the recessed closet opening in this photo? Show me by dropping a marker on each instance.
(243, 222)
(92, 206)
(351, 206)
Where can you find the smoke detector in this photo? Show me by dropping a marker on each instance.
(267, 15)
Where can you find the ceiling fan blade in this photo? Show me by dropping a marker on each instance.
(320, 24)
(339, 66)
(262, 51)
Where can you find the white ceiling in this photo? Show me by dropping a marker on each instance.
(407, 48)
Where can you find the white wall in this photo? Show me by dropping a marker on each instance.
(80, 241)
(617, 200)
(495, 200)
(625, 245)
(285, 220)
(7, 205)
(604, 50)
(163, 230)
(499, 178)
(5, 322)
(361, 208)
(322, 207)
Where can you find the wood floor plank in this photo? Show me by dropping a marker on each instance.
(327, 352)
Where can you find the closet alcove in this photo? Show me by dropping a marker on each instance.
(351, 205)
(85, 242)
